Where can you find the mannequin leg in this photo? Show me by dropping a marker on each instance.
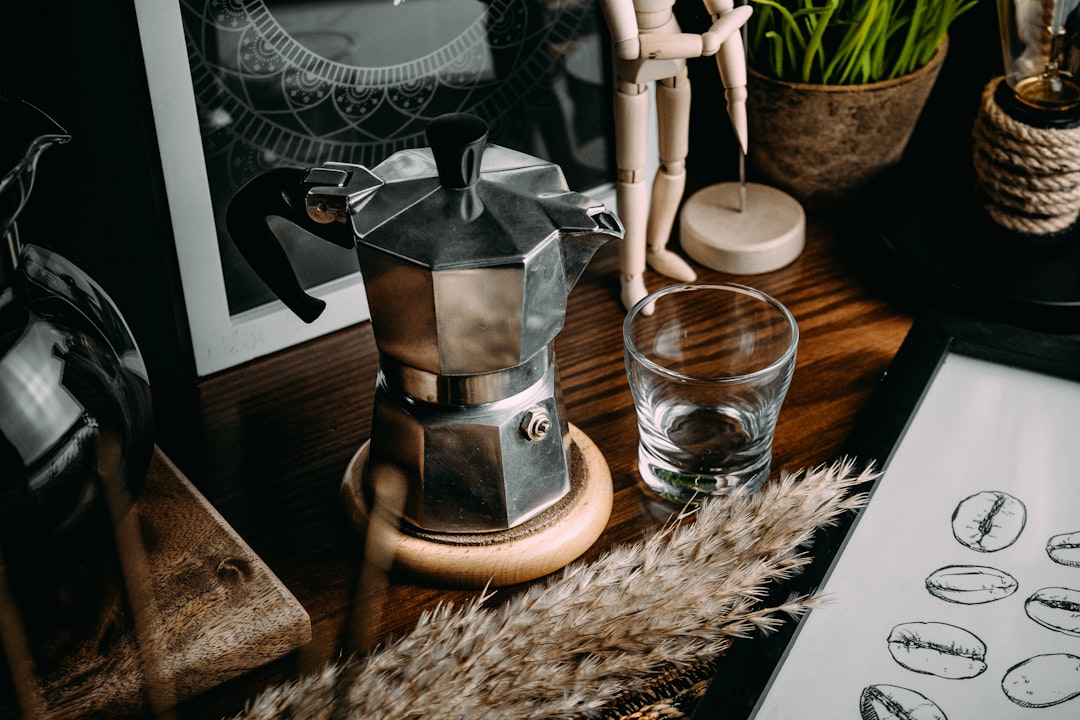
(635, 199)
(673, 106)
(631, 191)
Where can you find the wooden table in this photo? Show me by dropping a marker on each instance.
(267, 442)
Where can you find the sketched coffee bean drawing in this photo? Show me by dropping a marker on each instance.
(1043, 680)
(891, 702)
(970, 584)
(935, 648)
(1065, 549)
(1056, 608)
(988, 521)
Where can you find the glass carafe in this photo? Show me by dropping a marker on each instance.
(75, 416)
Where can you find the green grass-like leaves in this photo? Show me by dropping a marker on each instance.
(847, 42)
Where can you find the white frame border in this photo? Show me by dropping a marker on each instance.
(218, 340)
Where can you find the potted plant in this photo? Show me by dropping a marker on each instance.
(837, 86)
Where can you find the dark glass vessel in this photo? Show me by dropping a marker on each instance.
(76, 427)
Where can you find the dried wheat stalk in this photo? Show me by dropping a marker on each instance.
(569, 647)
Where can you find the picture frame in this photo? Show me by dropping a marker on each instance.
(237, 90)
(879, 570)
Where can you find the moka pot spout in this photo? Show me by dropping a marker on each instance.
(578, 248)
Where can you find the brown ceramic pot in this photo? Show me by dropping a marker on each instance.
(822, 142)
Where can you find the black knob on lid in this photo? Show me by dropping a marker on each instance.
(457, 142)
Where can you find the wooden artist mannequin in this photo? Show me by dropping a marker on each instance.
(650, 47)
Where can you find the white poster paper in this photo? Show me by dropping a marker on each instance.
(1006, 441)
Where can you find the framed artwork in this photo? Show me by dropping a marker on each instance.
(238, 87)
(955, 593)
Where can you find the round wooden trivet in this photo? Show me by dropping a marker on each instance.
(540, 546)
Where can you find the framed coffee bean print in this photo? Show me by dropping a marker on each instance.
(955, 593)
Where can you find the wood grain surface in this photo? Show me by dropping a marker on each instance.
(184, 606)
(268, 443)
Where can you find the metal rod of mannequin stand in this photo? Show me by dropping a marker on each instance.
(742, 181)
(742, 155)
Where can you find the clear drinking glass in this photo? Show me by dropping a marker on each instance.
(709, 368)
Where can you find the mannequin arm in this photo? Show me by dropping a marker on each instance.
(671, 46)
(725, 27)
(631, 44)
(718, 7)
(731, 60)
(622, 23)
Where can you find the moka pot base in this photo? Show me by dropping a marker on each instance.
(767, 234)
(537, 547)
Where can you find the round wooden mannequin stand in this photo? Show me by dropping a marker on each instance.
(537, 547)
(768, 234)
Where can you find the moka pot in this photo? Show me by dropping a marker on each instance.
(468, 253)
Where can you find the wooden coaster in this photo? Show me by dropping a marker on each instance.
(769, 233)
(210, 610)
(542, 545)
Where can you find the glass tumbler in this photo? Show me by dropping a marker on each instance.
(709, 366)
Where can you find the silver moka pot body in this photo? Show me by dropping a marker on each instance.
(468, 254)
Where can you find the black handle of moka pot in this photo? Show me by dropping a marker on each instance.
(457, 144)
(279, 192)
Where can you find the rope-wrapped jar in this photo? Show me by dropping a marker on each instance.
(1029, 175)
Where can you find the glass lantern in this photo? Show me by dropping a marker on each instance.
(1039, 41)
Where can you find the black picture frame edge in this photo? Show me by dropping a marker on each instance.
(99, 200)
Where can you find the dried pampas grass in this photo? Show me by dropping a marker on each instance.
(585, 640)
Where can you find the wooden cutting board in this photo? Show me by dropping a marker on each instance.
(185, 606)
